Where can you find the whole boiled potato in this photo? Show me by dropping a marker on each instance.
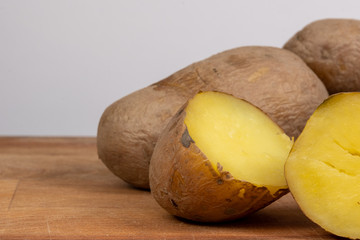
(220, 158)
(323, 168)
(273, 79)
(331, 48)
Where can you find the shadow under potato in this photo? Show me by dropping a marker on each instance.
(283, 218)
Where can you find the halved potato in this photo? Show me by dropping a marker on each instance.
(220, 158)
(323, 169)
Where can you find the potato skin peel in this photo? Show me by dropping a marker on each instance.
(331, 48)
(273, 79)
(184, 182)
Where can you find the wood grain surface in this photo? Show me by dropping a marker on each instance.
(57, 188)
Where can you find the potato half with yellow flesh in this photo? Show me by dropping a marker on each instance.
(220, 158)
(323, 168)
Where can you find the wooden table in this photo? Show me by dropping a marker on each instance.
(57, 188)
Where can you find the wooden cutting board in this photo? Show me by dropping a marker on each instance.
(57, 188)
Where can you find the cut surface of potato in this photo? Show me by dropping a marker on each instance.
(220, 158)
(323, 168)
(238, 136)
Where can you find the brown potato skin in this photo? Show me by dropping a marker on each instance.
(273, 79)
(129, 128)
(331, 48)
(184, 182)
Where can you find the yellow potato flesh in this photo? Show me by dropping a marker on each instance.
(323, 169)
(240, 137)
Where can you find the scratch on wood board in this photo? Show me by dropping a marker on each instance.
(48, 229)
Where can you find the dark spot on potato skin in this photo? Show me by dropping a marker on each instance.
(186, 140)
(299, 37)
(228, 175)
(173, 203)
(219, 167)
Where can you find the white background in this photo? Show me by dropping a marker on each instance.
(63, 62)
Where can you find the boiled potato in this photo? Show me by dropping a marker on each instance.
(331, 48)
(323, 168)
(220, 158)
(275, 80)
